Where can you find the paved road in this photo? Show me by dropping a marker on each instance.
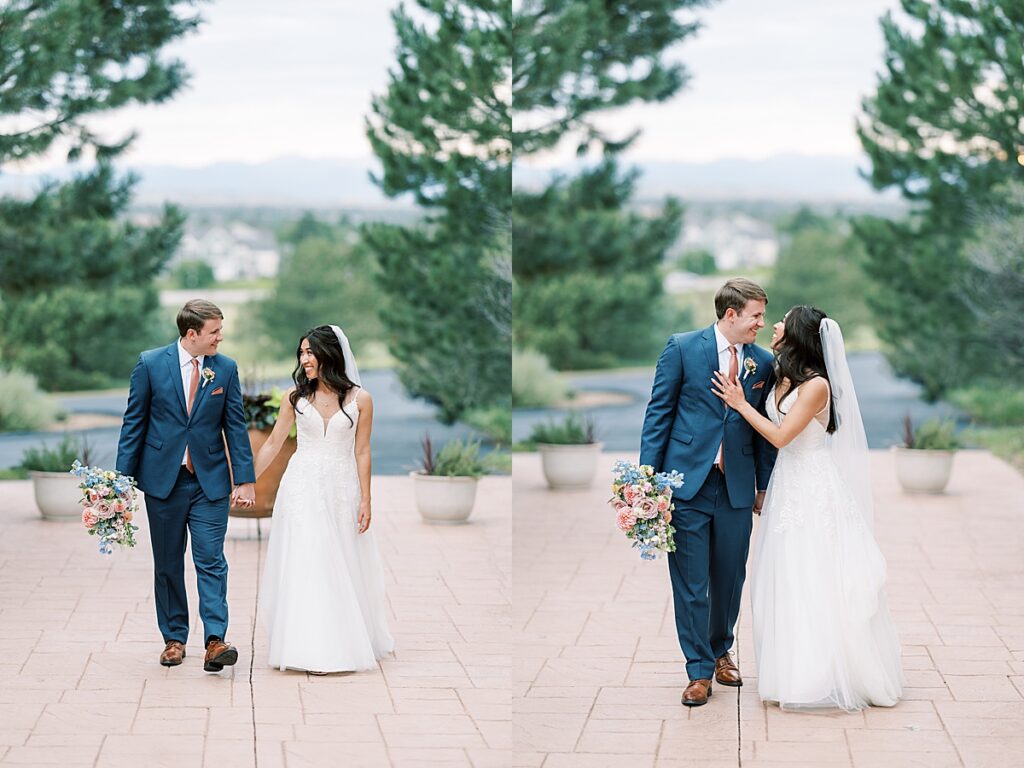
(398, 424)
(884, 399)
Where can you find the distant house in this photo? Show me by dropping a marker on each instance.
(235, 250)
(736, 239)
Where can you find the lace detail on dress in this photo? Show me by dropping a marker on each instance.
(822, 633)
(807, 470)
(322, 593)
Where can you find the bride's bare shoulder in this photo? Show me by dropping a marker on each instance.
(815, 390)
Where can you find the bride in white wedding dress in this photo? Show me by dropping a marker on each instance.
(823, 635)
(322, 589)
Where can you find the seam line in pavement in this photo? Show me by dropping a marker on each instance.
(739, 695)
(252, 642)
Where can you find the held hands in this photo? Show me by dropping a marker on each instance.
(244, 495)
(728, 390)
(758, 502)
(364, 516)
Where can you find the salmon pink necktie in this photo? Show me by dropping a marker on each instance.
(193, 386)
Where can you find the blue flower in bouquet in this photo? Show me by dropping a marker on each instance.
(109, 503)
(642, 500)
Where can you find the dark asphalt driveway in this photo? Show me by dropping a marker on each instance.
(884, 399)
(398, 424)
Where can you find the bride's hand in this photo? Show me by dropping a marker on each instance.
(364, 516)
(728, 390)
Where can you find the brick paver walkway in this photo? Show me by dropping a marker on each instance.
(597, 670)
(80, 684)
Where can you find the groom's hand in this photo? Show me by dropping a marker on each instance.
(244, 495)
(758, 502)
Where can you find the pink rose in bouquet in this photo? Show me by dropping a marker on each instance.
(626, 518)
(109, 500)
(646, 508)
(642, 500)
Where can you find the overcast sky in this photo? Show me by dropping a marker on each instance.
(768, 77)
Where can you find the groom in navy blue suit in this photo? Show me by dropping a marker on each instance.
(726, 466)
(185, 402)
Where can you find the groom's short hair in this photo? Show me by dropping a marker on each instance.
(195, 314)
(736, 293)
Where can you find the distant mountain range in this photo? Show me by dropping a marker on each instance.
(284, 181)
(781, 178)
(330, 183)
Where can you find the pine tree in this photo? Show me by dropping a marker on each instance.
(63, 60)
(77, 281)
(77, 300)
(944, 127)
(574, 60)
(588, 271)
(442, 133)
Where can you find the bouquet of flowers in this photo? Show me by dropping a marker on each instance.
(109, 502)
(643, 503)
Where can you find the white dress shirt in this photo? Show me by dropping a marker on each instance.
(185, 361)
(724, 359)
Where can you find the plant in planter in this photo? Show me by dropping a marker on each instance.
(568, 451)
(56, 490)
(260, 414)
(445, 486)
(925, 460)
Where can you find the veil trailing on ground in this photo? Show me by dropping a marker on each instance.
(351, 369)
(849, 443)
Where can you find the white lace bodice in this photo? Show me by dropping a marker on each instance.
(333, 438)
(804, 470)
(813, 437)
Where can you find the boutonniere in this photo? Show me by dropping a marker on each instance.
(208, 376)
(749, 366)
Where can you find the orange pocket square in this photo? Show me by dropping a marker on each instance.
(220, 391)
(759, 385)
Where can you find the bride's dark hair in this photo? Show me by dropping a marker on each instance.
(799, 356)
(325, 347)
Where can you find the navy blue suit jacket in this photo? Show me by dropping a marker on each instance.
(157, 427)
(686, 422)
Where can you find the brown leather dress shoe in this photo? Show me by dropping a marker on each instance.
(727, 673)
(697, 693)
(219, 655)
(173, 653)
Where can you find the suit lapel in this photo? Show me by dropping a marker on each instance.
(203, 386)
(174, 371)
(711, 351)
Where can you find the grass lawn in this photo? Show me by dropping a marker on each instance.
(1005, 442)
(997, 410)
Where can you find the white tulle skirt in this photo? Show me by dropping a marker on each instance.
(322, 591)
(822, 631)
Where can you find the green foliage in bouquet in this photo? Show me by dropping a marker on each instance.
(572, 430)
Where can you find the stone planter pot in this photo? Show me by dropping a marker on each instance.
(569, 467)
(57, 495)
(268, 482)
(444, 500)
(922, 471)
